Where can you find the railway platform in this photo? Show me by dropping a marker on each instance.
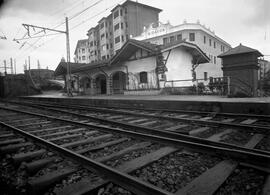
(258, 105)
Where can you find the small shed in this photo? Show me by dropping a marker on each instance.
(241, 65)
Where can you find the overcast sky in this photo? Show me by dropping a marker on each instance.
(235, 21)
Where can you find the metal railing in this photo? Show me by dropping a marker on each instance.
(208, 86)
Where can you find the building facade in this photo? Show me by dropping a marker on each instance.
(125, 21)
(195, 33)
(139, 67)
(81, 53)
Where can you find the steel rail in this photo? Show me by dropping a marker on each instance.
(163, 133)
(131, 183)
(239, 155)
(249, 128)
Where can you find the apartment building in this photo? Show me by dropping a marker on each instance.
(82, 52)
(195, 33)
(125, 21)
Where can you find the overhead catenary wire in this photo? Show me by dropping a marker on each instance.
(34, 47)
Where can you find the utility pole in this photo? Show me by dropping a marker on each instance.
(15, 65)
(5, 67)
(11, 66)
(69, 90)
(29, 63)
(28, 28)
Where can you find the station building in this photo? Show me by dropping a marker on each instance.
(195, 33)
(139, 67)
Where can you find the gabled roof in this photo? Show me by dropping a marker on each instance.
(240, 49)
(77, 67)
(79, 44)
(198, 55)
(131, 46)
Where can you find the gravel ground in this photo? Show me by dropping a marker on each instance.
(244, 181)
(264, 144)
(112, 149)
(81, 137)
(209, 132)
(239, 137)
(59, 163)
(96, 143)
(132, 155)
(71, 179)
(112, 189)
(176, 170)
(29, 148)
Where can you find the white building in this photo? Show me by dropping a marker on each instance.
(139, 67)
(195, 33)
(81, 53)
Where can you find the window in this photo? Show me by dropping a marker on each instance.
(102, 36)
(205, 76)
(122, 38)
(125, 10)
(79, 57)
(165, 41)
(210, 42)
(171, 39)
(116, 14)
(83, 50)
(103, 47)
(204, 39)
(127, 37)
(214, 44)
(143, 77)
(122, 25)
(179, 37)
(111, 45)
(215, 60)
(116, 27)
(83, 57)
(191, 36)
(121, 12)
(126, 25)
(117, 39)
(106, 35)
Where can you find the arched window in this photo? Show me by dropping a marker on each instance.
(143, 77)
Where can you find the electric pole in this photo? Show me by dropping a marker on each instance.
(5, 67)
(29, 63)
(11, 66)
(28, 28)
(15, 65)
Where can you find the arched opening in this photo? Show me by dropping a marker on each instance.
(85, 85)
(101, 87)
(119, 82)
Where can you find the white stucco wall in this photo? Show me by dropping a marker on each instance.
(179, 66)
(136, 66)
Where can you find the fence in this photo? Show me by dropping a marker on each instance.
(208, 86)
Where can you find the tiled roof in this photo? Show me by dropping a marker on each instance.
(240, 49)
(77, 67)
(130, 47)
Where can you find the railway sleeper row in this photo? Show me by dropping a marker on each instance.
(167, 150)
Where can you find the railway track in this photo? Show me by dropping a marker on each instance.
(230, 128)
(157, 162)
